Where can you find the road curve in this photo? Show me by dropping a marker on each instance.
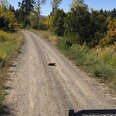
(42, 90)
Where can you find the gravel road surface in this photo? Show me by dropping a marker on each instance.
(38, 89)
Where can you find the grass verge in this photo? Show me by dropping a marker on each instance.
(99, 62)
(10, 44)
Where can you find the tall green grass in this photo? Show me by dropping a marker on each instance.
(98, 63)
(8, 44)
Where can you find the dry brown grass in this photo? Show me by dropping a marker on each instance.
(48, 35)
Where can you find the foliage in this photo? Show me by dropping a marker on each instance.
(3, 36)
(55, 4)
(58, 23)
(49, 21)
(42, 22)
(100, 64)
(77, 21)
(110, 38)
(29, 10)
(81, 25)
(7, 19)
(26, 6)
(37, 10)
(77, 3)
(9, 43)
(113, 13)
(9, 46)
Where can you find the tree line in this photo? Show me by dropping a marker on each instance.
(27, 14)
(80, 25)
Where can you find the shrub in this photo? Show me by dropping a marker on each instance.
(103, 71)
(62, 44)
(3, 36)
(95, 39)
(7, 19)
(91, 58)
(110, 38)
(80, 53)
(72, 37)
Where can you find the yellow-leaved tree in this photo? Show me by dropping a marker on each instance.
(49, 21)
(7, 19)
(110, 38)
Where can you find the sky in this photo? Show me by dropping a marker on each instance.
(95, 4)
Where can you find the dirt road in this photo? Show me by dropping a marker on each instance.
(42, 90)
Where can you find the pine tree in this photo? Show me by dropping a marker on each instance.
(26, 6)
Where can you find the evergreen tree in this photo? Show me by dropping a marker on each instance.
(113, 13)
(58, 22)
(26, 6)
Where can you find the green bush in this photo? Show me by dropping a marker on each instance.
(7, 19)
(95, 39)
(3, 36)
(103, 71)
(42, 26)
(63, 46)
(80, 52)
(72, 37)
